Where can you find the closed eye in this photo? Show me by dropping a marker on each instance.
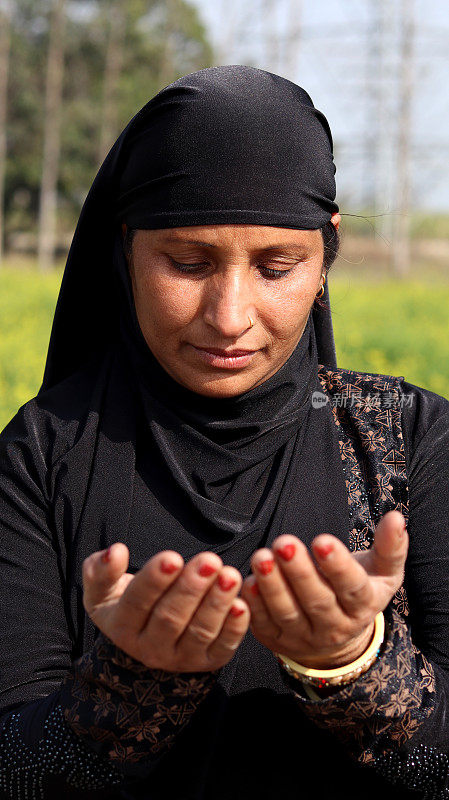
(194, 269)
(188, 267)
(269, 272)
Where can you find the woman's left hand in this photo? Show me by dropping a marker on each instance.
(321, 613)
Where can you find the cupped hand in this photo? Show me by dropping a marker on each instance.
(319, 609)
(170, 615)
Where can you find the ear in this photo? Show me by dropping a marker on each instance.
(336, 219)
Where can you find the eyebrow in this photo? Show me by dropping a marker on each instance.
(286, 248)
(171, 238)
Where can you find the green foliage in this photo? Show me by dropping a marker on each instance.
(27, 301)
(384, 327)
(430, 226)
(393, 328)
(367, 224)
(162, 39)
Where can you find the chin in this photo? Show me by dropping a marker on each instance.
(221, 387)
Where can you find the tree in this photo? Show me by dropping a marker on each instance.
(98, 95)
(51, 148)
(116, 14)
(5, 42)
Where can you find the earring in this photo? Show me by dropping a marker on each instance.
(321, 292)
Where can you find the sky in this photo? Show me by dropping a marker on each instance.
(336, 58)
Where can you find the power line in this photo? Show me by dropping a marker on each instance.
(353, 66)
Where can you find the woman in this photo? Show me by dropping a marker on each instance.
(185, 613)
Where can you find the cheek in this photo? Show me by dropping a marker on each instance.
(289, 308)
(163, 304)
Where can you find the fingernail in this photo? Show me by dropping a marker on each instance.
(254, 589)
(206, 570)
(106, 556)
(265, 567)
(287, 551)
(226, 583)
(236, 611)
(324, 550)
(168, 567)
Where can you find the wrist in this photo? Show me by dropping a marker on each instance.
(353, 650)
(338, 676)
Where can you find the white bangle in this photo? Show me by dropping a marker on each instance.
(341, 675)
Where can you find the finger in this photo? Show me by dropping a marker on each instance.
(314, 594)
(173, 611)
(261, 622)
(388, 554)
(102, 573)
(232, 632)
(349, 580)
(210, 615)
(281, 603)
(145, 589)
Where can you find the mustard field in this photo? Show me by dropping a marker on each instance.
(398, 328)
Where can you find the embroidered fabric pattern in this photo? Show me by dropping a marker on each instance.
(385, 707)
(24, 771)
(128, 713)
(367, 413)
(382, 710)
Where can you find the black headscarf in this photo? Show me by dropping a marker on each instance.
(229, 144)
(169, 468)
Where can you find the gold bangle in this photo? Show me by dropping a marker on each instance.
(341, 675)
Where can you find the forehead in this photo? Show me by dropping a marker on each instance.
(250, 237)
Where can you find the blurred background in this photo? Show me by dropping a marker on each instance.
(74, 72)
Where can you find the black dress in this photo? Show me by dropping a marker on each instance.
(62, 707)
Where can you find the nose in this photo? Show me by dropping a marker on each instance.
(229, 303)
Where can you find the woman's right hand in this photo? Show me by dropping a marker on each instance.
(170, 615)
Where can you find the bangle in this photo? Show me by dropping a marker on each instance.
(341, 675)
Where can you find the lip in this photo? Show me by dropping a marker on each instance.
(225, 359)
(225, 353)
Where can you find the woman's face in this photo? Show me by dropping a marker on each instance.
(195, 289)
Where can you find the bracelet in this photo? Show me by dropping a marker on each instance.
(341, 675)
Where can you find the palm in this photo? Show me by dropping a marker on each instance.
(320, 611)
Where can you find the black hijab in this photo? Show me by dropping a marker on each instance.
(223, 145)
(167, 467)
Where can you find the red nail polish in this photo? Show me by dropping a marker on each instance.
(226, 583)
(106, 556)
(287, 551)
(206, 570)
(236, 611)
(254, 589)
(265, 567)
(168, 567)
(323, 550)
